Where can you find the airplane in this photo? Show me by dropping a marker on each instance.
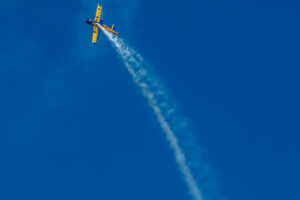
(97, 22)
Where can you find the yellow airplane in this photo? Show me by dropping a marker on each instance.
(97, 22)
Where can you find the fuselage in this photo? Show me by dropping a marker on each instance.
(91, 22)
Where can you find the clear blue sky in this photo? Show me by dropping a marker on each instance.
(74, 126)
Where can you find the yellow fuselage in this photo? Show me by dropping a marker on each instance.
(110, 30)
(105, 27)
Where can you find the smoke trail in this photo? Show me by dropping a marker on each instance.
(152, 88)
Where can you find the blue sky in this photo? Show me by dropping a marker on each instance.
(74, 126)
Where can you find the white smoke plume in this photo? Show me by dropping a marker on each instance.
(156, 94)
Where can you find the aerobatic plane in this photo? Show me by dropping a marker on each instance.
(97, 22)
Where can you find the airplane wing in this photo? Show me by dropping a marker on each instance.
(97, 19)
(98, 14)
(95, 35)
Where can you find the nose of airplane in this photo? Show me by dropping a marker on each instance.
(88, 20)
